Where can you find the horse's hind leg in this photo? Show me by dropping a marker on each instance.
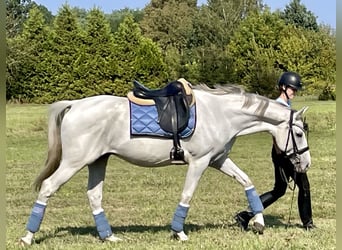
(97, 171)
(49, 186)
(255, 204)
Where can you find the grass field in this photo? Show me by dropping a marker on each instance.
(139, 202)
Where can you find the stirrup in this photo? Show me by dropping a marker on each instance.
(177, 156)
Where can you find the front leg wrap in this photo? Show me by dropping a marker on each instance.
(102, 225)
(254, 200)
(177, 224)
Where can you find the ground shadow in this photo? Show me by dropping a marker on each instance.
(278, 222)
(270, 221)
(91, 230)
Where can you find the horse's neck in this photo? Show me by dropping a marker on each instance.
(244, 113)
(261, 114)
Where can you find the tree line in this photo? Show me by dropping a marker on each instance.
(79, 53)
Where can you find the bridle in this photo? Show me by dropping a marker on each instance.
(294, 157)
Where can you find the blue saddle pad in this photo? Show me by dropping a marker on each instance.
(144, 121)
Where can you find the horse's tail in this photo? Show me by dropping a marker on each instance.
(56, 113)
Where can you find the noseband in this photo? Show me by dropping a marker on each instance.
(294, 157)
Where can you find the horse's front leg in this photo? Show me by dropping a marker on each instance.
(97, 171)
(255, 204)
(194, 173)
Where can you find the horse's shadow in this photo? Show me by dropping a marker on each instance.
(91, 230)
(270, 221)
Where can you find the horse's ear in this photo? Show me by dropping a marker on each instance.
(299, 114)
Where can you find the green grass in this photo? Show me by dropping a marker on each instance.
(139, 202)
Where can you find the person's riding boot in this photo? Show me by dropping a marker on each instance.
(243, 219)
(304, 204)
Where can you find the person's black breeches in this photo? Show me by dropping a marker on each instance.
(283, 169)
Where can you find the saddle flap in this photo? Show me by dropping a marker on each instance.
(173, 113)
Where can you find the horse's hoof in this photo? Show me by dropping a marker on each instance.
(113, 238)
(179, 236)
(24, 242)
(258, 228)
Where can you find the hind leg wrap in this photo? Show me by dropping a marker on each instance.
(36, 217)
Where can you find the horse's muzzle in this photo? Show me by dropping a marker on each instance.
(299, 169)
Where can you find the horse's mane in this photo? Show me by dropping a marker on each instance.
(250, 98)
(219, 89)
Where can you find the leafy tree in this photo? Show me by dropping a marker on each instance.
(313, 54)
(48, 17)
(136, 57)
(214, 25)
(254, 49)
(117, 16)
(212, 67)
(297, 52)
(93, 69)
(15, 59)
(24, 73)
(60, 62)
(170, 24)
(218, 19)
(296, 13)
(16, 14)
(81, 15)
(318, 62)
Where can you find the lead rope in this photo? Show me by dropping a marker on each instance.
(283, 175)
(293, 192)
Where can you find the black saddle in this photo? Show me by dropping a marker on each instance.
(171, 89)
(173, 111)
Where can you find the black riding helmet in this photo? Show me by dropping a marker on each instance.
(290, 79)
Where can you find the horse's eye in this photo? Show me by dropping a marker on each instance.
(299, 134)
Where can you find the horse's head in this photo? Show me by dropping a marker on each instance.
(291, 140)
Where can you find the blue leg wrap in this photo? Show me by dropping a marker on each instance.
(179, 218)
(102, 225)
(36, 217)
(254, 201)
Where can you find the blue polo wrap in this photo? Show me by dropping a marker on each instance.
(102, 225)
(36, 217)
(179, 218)
(254, 201)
